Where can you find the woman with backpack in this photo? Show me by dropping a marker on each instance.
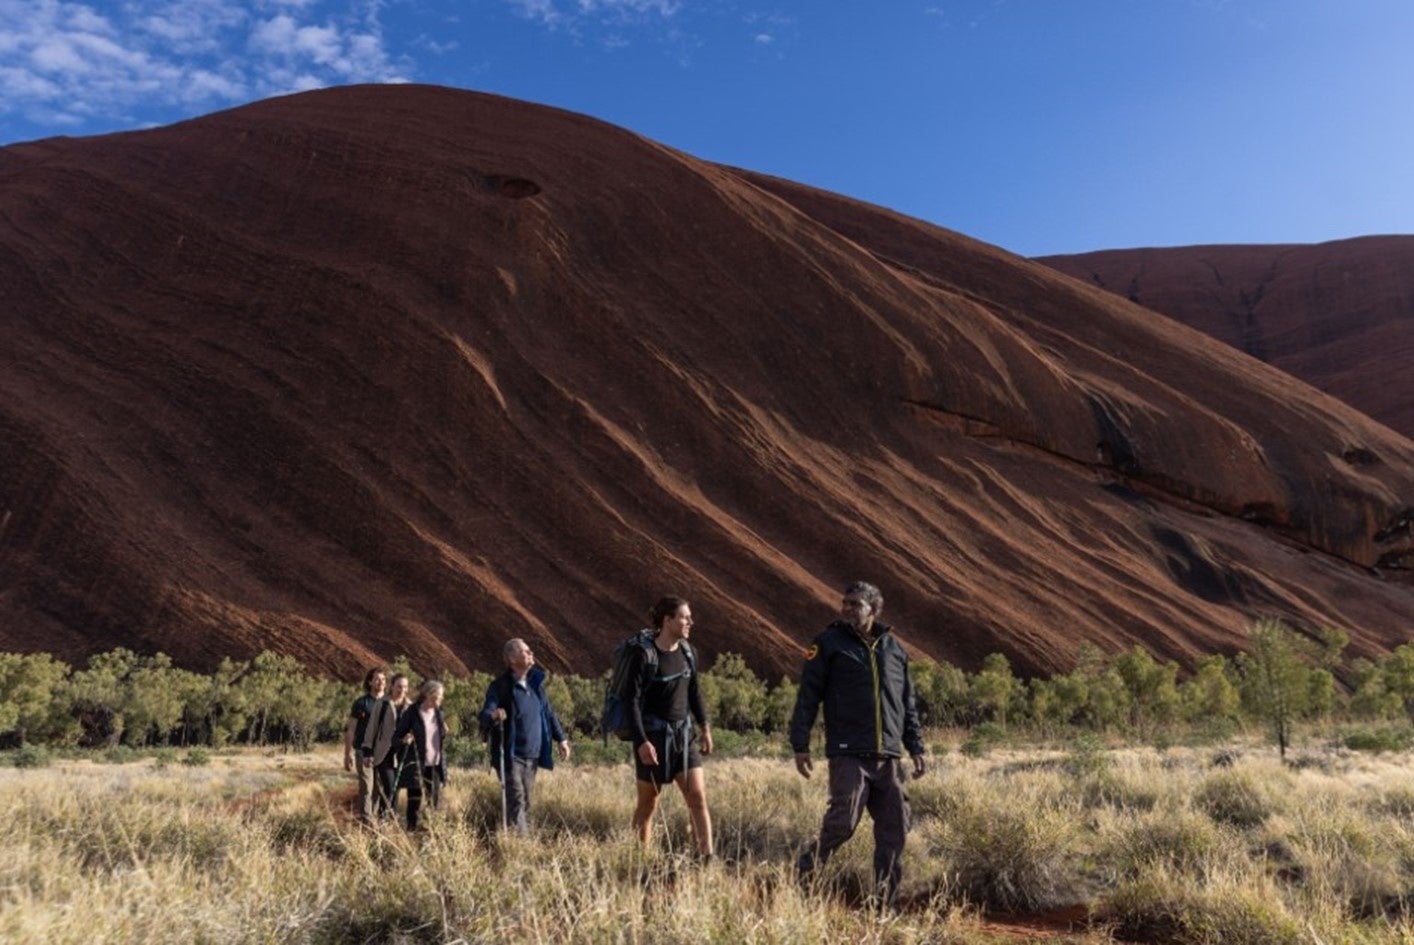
(669, 721)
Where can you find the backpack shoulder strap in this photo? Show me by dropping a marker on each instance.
(370, 732)
(650, 652)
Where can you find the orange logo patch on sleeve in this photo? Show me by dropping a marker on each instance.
(811, 653)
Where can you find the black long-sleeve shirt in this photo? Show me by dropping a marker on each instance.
(667, 694)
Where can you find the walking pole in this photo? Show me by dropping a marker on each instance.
(398, 778)
(382, 793)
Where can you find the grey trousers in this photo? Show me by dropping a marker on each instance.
(859, 784)
(364, 768)
(520, 781)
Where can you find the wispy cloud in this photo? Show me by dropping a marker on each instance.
(661, 7)
(64, 63)
(771, 30)
(573, 13)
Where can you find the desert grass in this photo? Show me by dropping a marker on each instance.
(1156, 847)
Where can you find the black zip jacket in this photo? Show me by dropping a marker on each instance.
(866, 691)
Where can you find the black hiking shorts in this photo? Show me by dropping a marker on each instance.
(677, 762)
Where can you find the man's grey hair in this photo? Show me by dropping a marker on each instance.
(511, 648)
(869, 593)
(429, 687)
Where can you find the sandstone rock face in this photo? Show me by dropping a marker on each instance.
(401, 369)
(1340, 315)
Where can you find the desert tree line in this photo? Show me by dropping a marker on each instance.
(1283, 679)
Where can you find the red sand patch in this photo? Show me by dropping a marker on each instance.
(1055, 923)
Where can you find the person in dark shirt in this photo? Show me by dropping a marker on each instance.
(858, 672)
(355, 758)
(671, 730)
(517, 714)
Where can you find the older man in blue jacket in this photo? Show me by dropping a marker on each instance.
(521, 723)
(859, 672)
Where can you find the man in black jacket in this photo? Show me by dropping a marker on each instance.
(858, 670)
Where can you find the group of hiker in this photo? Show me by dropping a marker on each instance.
(395, 744)
(856, 670)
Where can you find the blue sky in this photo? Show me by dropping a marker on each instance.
(1044, 126)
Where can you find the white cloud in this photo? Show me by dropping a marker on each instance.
(575, 13)
(306, 83)
(285, 38)
(86, 20)
(771, 29)
(203, 86)
(663, 8)
(22, 84)
(191, 26)
(435, 46)
(61, 61)
(543, 10)
(57, 55)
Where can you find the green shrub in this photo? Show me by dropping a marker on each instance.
(973, 747)
(1181, 841)
(1107, 788)
(1158, 908)
(1087, 756)
(1397, 802)
(729, 744)
(309, 830)
(30, 756)
(1378, 740)
(1008, 857)
(981, 738)
(736, 697)
(597, 751)
(991, 732)
(466, 752)
(1350, 857)
(119, 755)
(1312, 761)
(1233, 797)
(197, 758)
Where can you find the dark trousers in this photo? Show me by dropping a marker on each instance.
(520, 781)
(391, 776)
(429, 787)
(859, 784)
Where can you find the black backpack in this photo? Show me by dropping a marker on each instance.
(616, 719)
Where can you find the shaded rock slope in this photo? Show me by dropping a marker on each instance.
(402, 369)
(1339, 315)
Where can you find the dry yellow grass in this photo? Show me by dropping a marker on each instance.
(260, 848)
